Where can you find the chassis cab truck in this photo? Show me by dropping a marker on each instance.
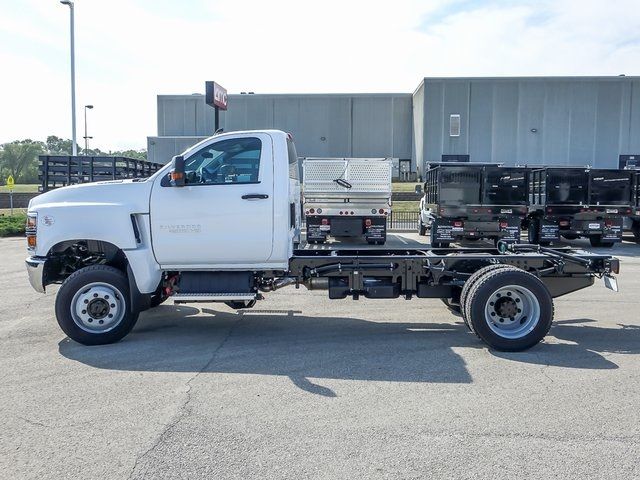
(473, 201)
(347, 197)
(220, 224)
(579, 202)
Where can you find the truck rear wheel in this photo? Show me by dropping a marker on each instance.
(93, 306)
(596, 241)
(510, 309)
(533, 232)
(635, 228)
(470, 283)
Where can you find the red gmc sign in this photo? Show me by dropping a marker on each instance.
(216, 96)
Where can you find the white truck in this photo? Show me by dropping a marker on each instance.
(347, 197)
(220, 224)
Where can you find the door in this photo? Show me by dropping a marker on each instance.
(224, 213)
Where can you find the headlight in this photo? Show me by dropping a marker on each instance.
(31, 230)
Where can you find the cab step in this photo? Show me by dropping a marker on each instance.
(213, 297)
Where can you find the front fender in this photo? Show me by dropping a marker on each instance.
(105, 222)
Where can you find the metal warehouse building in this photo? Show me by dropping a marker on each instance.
(534, 120)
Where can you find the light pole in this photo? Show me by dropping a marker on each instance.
(86, 137)
(74, 147)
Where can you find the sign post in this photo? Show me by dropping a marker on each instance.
(10, 184)
(216, 97)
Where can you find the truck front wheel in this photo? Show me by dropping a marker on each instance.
(422, 229)
(93, 306)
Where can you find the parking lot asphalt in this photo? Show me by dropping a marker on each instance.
(305, 387)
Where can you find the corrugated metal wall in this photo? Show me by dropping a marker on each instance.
(362, 125)
(551, 121)
(540, 120)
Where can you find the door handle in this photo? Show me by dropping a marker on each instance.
(255, 196)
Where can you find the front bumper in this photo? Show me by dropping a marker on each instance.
(35, 269)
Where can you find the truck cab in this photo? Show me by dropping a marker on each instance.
(235, 208)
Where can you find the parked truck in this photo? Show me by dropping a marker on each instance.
(635, 217)
(220, 224)
(574, 202)
(472, 201)
(347, 197)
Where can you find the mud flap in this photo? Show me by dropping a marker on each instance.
(549, 231)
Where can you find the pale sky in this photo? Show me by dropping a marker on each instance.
(127, 52)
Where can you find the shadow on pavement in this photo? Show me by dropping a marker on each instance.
(581, 345)
(180, 339)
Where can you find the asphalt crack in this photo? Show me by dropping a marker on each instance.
(182, 410)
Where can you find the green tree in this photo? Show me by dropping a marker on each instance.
(59, 146)
(20, 159)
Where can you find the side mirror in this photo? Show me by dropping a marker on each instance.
(176, 176)
(419, 189)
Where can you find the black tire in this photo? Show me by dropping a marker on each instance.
(570, 236)
(635, 228)
(596, 241)
(239, 305)
(470, 283)
(529, 320)
(533, 232)
(101, 279)
(422, 230)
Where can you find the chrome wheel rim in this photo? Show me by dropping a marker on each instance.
(512, 312)
(98, 307)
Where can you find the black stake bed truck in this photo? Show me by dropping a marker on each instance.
(579, 202)
(473, 201)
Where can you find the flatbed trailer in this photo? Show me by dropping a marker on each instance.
(575, 202)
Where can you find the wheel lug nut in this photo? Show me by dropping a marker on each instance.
(90, 320)
(84, 312)
(110, 315)
(86, 301)
(519, 311)
(501, 319)
(493, 314)
(509, 294)
(113, 305)
(95, 295)
(101, 322)
(106, 297)
(491, 303)
(517, 300)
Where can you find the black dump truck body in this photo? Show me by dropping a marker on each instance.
(635, 217)
(579, 202)
(475, 201)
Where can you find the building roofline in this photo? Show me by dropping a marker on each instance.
(537, 78)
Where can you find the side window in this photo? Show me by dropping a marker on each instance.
(293, 160)
(235, 160)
